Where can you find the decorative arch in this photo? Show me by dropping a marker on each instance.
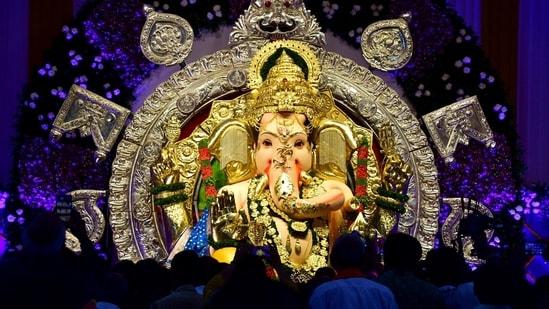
(190, 91)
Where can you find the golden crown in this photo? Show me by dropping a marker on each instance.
(290, 85)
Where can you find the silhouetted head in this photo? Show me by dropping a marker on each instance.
(44, 235)
(185, 267)
(445, 266)
(349, 251)
(250, 265)
(401, 252)
(209, 268)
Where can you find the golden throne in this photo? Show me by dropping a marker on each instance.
(155, 188)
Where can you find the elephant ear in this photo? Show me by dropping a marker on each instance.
(231, 142)
(334, 143)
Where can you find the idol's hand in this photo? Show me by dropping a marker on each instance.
(164, 173)
(161, 171)
(228, 222)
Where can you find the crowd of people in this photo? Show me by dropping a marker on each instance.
(45, 274)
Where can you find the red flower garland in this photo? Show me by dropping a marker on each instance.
(206, 171)
(361, 174)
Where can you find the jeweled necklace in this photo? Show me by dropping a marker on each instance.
(260, 208)
(297, 229)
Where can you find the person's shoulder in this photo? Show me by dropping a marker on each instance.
(356, 281)
(372, 284)
(385, 276)
(374, 294)
(185, 296)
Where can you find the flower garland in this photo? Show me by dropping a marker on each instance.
(211, 179)
(168, 187)
(361, 174)
(208, 177)
(174, 198)
(391, 200)
(388, 199)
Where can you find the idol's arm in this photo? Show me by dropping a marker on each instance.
(337, 196)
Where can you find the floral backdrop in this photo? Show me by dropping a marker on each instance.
(99, 50)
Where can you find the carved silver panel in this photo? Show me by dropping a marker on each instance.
(92, 115)
(456, 123)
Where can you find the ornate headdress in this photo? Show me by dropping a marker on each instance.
(284, 77)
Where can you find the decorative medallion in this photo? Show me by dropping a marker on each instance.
(186, 104)
(387, 44)
(237, 78)
(166, 39)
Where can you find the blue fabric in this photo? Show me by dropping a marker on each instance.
(198, 240)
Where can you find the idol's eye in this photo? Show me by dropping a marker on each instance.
(299, 143)
(267, 143)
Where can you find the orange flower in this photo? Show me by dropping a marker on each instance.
(210, 191)
(204, 154)
(360, 190)
(362, 153)
(361, 172)
(207, 172)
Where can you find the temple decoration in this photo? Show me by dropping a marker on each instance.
(456, 123)
(223, 95)
(92, 115)
(468, 228)
(168, 188)
(395, 175)
(166, 39)
(275, 20)
(387, 44)
(85, 202)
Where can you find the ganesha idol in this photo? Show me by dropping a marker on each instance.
(284, 168)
